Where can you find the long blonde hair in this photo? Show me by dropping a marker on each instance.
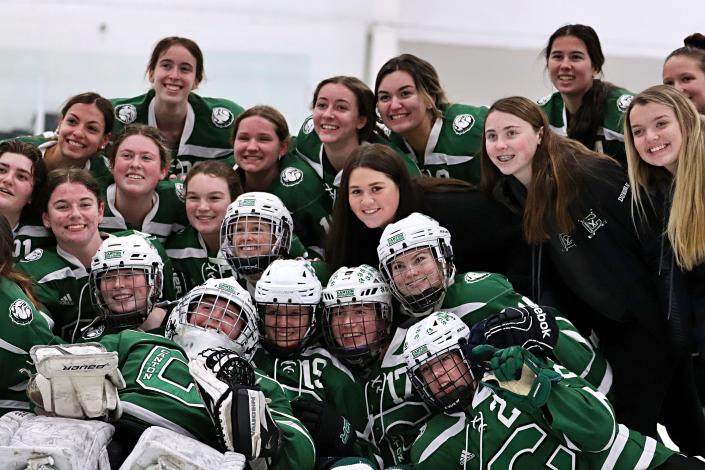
(686, 221)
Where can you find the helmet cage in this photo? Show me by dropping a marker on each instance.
(444, 374)
(284, 326)
(355, 330)
(121, 278)
(207, 317)
(255, 211)
(431, 298)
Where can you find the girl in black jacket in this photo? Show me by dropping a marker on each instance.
(587, 256)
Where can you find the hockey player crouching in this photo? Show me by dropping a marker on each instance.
(216, 325)
(507, 409)
(324, 394)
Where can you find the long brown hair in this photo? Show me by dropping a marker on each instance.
(6, 262)
(556, 169)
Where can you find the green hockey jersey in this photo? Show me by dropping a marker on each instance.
(167, 216)
(207, 130)
(30, 234)
(474, 296)
(21, 326)
(574, 430)
(454, 145)
(610, 137)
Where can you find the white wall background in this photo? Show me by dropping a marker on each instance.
(275, 52)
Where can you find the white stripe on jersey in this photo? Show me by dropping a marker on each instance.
(203, 152)
(648, 454)
(456, 428)
(11, 347)
(181, 253)
(617, 448)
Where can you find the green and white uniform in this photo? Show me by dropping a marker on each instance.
(160, 390)
(30, 234)
(98, 164)
(474, 296)
(193, 263)
(168, 214)
(22, 327)
(610, 137)
(574, 430)
(207, 130)
(309, 147)
(314, 374)
(60, 282)
(454, 145)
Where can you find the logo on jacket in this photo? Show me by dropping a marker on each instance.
(291, 176)
(222, 117)
(20, 312)
(308, 126)
(623, 102)
(592, 223)
(566, 241)
(544, 100)
(33, 256)
(126, 113)
(463, 123)
(180, 191)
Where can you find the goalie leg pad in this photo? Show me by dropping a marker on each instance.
(70, 443)
(161, 447)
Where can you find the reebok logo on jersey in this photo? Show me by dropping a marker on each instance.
(66, 300)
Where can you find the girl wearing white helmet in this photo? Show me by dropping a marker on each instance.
(507, 409)
(220, 314)
(325, 395)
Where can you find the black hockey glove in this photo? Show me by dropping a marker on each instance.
(332, 433)
(533, 328)
(238, 408)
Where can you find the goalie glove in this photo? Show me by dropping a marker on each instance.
(238, 408)
(76, 381)
(516, 375)
(532, 327)
(332, 433)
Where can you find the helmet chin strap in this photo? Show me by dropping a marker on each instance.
(424, 303)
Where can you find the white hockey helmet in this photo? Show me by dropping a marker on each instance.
(436, 355)
(121, 299)
(288, 296)
(241, 233)
(357, 314)
(405, 270)
(218, 313)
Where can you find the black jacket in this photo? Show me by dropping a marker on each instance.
(598, 269)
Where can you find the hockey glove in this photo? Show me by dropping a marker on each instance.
(533, 327)
(76, 381)
(236, 405)
(332, 433)
(516, 375)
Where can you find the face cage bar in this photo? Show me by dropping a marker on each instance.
(362, 351)
(458, 387)
(306, 331)
(260, 254)
(220, 313)
(428, 299)
(119, 314)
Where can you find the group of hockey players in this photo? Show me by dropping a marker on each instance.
(406, 283)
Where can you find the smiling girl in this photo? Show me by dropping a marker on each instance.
(195, 128)
(584, 107)
(588, 258)
(140, 199)
(684, 69)
(444, 139)
(210, 187)
(22, 174)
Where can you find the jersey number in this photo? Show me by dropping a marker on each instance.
(22, 247)
(527, 439)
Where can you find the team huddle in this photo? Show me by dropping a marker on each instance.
(405, 283)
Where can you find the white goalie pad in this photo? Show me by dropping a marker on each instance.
(28, 440)
(163, 449)
(76, 381)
